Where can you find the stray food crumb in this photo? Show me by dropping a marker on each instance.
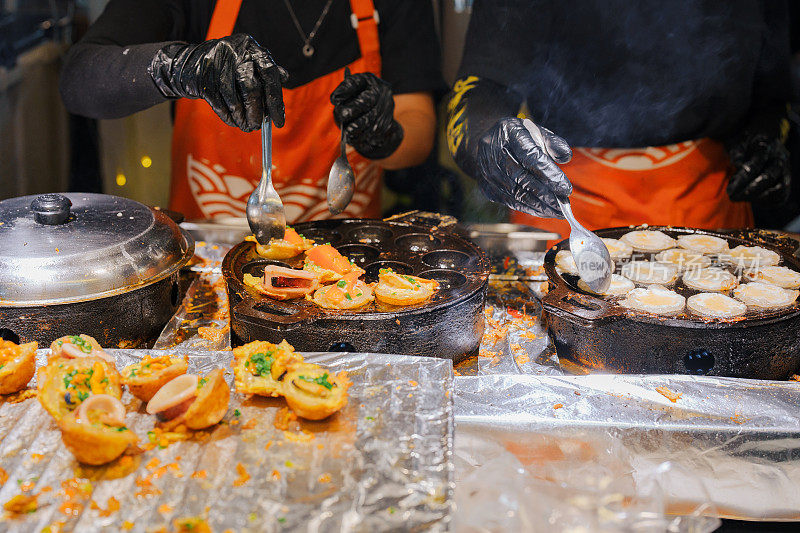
(324, 478)
(200, 474)
(127, 525)
(164, 508)
(558, 406)
(668, 394)
(243, 478)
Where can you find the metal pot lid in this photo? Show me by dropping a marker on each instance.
(64, 248)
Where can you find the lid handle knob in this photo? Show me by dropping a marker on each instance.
(51, 209)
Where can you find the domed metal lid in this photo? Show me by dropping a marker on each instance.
(71, 247)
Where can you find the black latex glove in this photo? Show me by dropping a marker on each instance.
(520, 172)
(762, 170)
(236, 76)
(364, 108)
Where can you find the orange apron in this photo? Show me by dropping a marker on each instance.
(215, 167)
(680, 184)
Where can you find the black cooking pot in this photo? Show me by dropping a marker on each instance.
(449, 325)
(88, 263)
(598, 334)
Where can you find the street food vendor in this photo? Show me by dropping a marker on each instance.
(228, 63)
(675, 111)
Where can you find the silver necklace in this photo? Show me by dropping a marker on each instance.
(308, 50)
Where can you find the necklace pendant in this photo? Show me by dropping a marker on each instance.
(308, 50)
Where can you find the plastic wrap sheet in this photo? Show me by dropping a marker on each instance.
(384, 462)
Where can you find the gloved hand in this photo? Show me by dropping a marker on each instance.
(762, 170)
(237, 77)
(515, 169)
(364, 108)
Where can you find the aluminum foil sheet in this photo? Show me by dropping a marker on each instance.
(202, 320)
(383, 463)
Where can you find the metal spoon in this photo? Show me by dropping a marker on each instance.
(265, 213)
(341, 180)
(589, 251)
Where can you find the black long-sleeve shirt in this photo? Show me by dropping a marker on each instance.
(105, 74)
(633, 73)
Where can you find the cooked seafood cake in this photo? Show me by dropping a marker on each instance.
(710, 279)
(96, 433)
(17, 365)
(620, 286)
(648, 240)
(715, 305)
(618, 250)
(654, 299)
(347, 293)
(151, 373)
(76, 347)
(783, 277)
(400, 289)
(259, 366)
(750, 256)
(292, 244)
(684, 259)
(650, 273)
(703, 244)
(758, 295)
(65, 383)
(314, 393)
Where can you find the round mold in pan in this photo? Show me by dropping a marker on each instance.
(448, 325)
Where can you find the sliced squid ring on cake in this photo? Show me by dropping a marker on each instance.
(281, 283)
(78, 346)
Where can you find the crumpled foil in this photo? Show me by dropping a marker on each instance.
(384, 462)
(610, 452)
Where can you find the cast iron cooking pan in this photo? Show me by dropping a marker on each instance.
(449, 325)
(600, 335)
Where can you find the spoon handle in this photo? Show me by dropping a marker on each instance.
(266, 158)
(566, 208)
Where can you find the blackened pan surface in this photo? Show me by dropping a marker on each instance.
(599, 334)
(449, 325)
